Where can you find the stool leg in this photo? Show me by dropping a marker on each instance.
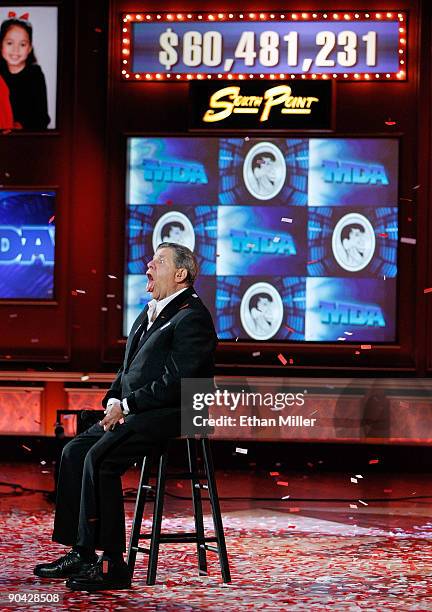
(157, 520)
(197, 506)
(138, 515)
(217, 518)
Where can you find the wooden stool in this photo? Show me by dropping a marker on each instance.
(198, 537)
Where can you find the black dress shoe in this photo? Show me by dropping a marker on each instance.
(105, 575)
(68, 565)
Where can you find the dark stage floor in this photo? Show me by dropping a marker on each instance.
(367, 548)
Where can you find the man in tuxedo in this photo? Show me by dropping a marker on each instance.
(173, 338)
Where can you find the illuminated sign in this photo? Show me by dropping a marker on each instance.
(333, 44)
(337, 313)
(350, 172)
(26, 244)
(247, 105)
(174, 172)
(247, 241)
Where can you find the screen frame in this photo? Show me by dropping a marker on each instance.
(54, 301)
(59, 85)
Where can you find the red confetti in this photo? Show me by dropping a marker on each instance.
(388, 490)
(428, 290)
(366, 347)
(294, 509)
(390, 122)
(282, 359)
(383, 234)
(282, 483)
(274, 474)
(372, 461)
(51, 219)
(169, 202)
(312, 261)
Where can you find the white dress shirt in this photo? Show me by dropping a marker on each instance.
(155, 307)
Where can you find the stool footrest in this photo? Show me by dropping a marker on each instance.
(212, 548)
(140, 549)
(180, 536)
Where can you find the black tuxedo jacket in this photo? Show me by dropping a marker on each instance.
(180, 344)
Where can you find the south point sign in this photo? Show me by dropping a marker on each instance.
(293, 106)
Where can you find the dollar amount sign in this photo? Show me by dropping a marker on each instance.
(168, 56)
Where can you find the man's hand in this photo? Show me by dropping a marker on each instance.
(114, 416)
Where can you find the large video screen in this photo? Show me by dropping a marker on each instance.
(296, 237)
(27, 241)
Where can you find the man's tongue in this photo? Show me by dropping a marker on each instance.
(150, 285)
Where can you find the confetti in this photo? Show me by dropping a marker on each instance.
(51, 219)
(428, 290)
(26, 447)
(110, 295)
(354, 480)
(294, 509)
(282, 359)
(366, 347)
(388, 490)
(353, 506)
(286, 220)
(286, 497)
(373, 461)
(256, 354)
(274, 474)
(13, 316)
(362, 502)
(112, 276)
(242, 451)
(348, 333)
(341, 338)
(282, 483)
(390, 122)
(312, 261)
(383, 235)
(34, 340)
(104, 308)
(408, 240)
(416, 186)
(276, 239)
(359, 476)
(80, 291)
(85, 377)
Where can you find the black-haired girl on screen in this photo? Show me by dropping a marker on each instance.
(22, 75)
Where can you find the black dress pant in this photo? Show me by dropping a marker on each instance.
(90, 509)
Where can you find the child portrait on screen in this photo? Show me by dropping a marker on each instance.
(22, 74)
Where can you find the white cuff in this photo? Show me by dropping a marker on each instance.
(125, 407)
(113, 401)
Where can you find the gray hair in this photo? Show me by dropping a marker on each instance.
(183, 258)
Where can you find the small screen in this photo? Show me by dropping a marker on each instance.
(27, 244)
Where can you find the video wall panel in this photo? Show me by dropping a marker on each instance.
(27, 244)
(296, 238)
